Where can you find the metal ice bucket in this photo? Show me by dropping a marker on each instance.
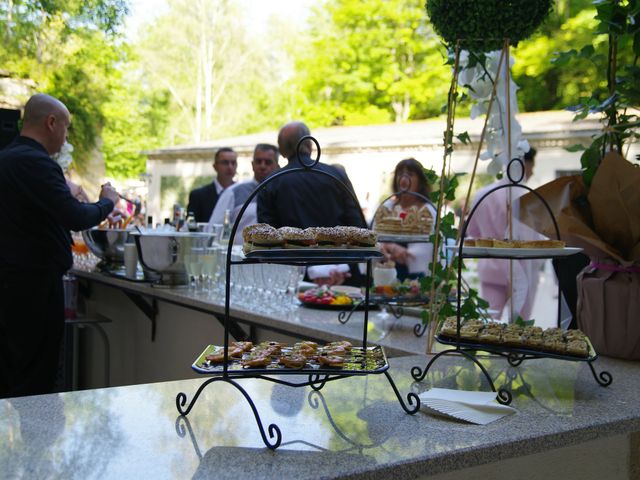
(164, 252)
(107, 244)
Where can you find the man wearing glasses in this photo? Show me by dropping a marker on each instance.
(264, 163)
(203, 200)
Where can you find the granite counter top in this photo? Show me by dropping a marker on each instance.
(353, 428)
(396, 335)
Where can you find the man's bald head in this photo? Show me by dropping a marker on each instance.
(288, 139)
(39, 106)
(46, 120)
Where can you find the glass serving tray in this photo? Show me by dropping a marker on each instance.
(494, 252)
(398, 300)
(315, 254)
(357, 362)
(404, 237)
(505, 349)
(357, 305)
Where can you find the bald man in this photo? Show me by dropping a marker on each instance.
(304, 199)
(37, 210)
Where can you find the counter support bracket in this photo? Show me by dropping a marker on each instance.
(235, 330)
(150, 309)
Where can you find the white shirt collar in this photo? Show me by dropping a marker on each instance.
(219, 188)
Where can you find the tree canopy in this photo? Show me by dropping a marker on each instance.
(194, 73)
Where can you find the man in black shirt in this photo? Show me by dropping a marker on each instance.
(37, 211)
(306, 199)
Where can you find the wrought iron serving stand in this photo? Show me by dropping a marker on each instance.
(316, 378)
(395, 306)
(515, 356)
(315, 399)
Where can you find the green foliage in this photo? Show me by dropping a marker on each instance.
(618, 29)
(377, 59)
(218, 81)
(72, 49)
(546, 84)
(482, 25)
(443, 278)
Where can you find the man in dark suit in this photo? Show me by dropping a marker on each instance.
(203, 200)
(37, 210)
(305, 199)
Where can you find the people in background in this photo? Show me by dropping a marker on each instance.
(203, 200)
(304, 199)
(412, 259)
(490, 220)
(37, 211)
(264, 163)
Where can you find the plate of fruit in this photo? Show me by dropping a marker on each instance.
(332, 298)
(406, 293)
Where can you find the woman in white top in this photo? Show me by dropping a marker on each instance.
(412, 259)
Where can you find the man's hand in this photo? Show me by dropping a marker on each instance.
(108, 192)
(335, 278)
(117, 218)
(397, 253)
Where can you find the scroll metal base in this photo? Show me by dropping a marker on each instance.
(502, 396)
(603, 378)
(315, 381)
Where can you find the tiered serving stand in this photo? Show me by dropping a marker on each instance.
(397, 304)
(369, 360)
(515, 356)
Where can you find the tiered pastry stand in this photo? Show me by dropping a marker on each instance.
(515, 356)
(316, 378)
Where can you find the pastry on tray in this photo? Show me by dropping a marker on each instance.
(296, 237)
(506, 243)
(263, 236)
(542, 244)
(360, 237)
(450, 327)
(552, 340)
(578, 348)
(329, 237)
(304, 354)
(395, 220)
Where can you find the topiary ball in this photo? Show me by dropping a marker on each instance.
(482, 25)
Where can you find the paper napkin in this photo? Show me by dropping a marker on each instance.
(474, 407)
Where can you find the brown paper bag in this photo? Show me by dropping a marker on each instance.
(608, 308)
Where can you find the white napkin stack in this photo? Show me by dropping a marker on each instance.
(474, 407)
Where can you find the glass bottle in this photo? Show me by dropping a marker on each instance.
(192, 225)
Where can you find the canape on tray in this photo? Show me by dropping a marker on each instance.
(551, 340)
(495, 243)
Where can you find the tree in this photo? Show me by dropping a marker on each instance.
(198, 53)
(69, 49)
(372, 61)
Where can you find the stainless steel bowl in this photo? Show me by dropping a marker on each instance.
(107, 244)
(164, 252)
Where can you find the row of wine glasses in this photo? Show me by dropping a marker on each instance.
(264, 287)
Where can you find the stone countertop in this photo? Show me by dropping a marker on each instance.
(353, 428)
(396, 335)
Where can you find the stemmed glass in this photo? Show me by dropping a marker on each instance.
(195, 267)
(208, 268)
(296, 274)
